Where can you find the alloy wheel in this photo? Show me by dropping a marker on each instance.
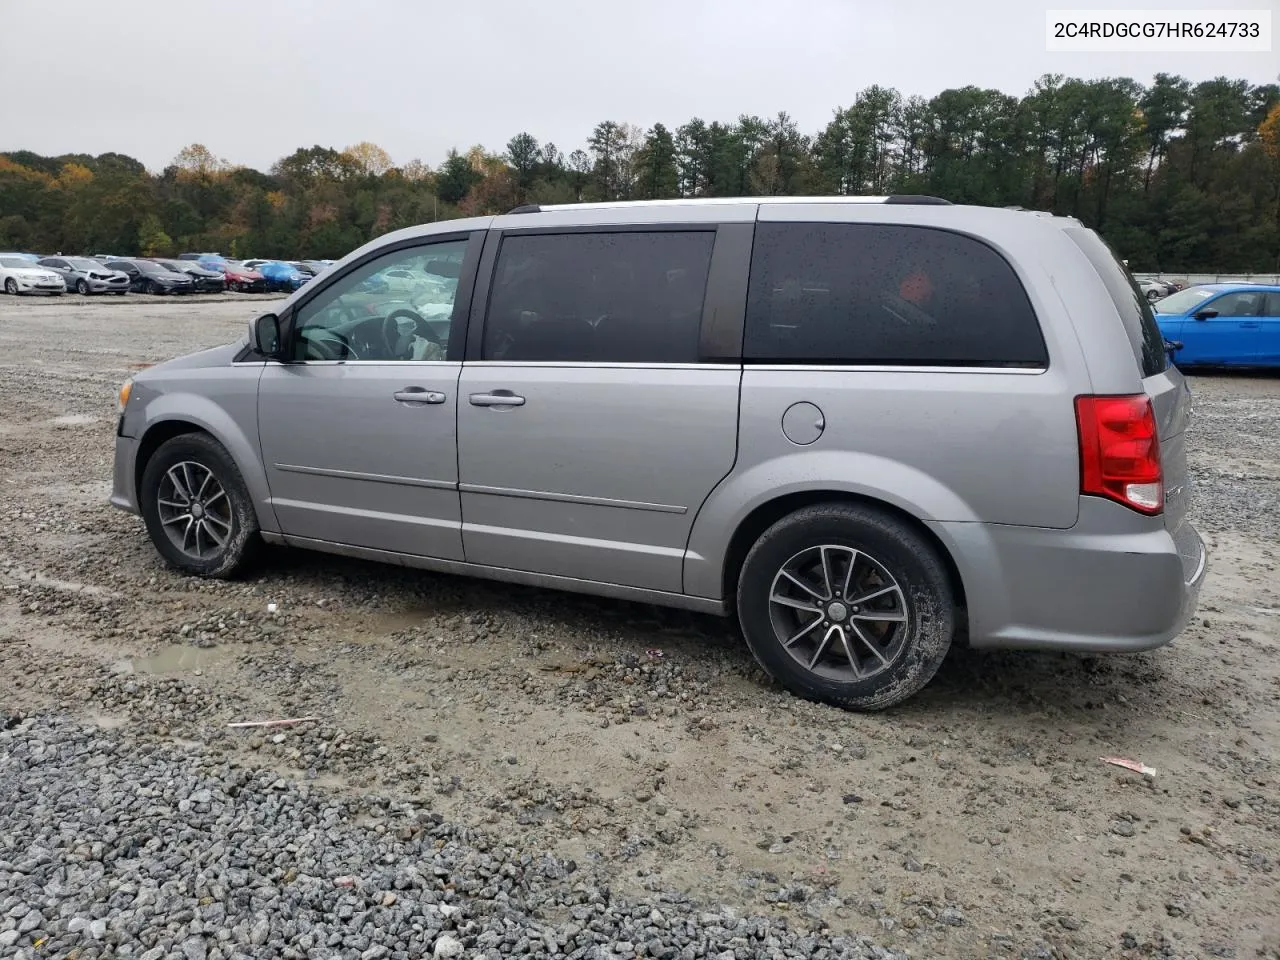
(195, 510)
(838, 612)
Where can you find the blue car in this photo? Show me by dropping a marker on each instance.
(1223, 325)
(281, 276)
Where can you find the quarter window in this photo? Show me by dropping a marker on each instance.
(399, 306)
(884, 294)
(608, 297)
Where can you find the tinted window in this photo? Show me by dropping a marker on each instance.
(599, 297)
(121, 265)
(1273, 305)
(398, 306)
(870, 293)
(1242, 304)
(1135, 312)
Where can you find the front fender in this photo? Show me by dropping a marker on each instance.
(856, 474)
(235, 428)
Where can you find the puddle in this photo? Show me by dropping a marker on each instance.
(178, 658)
(75, 420)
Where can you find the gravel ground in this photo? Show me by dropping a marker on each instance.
(496, 770)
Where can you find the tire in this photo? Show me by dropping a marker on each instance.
(898, 574)
(187, 455)
(82, 288)
(153, 288)
(11, 287)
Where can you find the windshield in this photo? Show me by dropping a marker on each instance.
(1183, 300)
(146, 266)
(15, 262)
(83, 263)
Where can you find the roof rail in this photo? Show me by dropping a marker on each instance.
(526, 208)
(916, 198)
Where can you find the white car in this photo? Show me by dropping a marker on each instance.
(1153, 289)
(22, 276)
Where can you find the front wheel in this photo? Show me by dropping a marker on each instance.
(197, 509)
(846, 605)
(11, 287)
(82, 288)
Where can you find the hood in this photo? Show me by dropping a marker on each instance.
(33, 273)
(244, 273)
(204, 359)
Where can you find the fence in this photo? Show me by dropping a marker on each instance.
(1195, 278)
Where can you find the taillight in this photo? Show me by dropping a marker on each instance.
(1120, 451)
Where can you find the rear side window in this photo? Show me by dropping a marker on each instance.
(1135, 312)
(608, 297)
(885, 294)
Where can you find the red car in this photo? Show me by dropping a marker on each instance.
(240, 277)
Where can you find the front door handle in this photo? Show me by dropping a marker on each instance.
(1248, 326)
(499, 398)
(418, 395)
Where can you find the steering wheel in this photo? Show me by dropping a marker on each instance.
(391, 329)
(333, 346)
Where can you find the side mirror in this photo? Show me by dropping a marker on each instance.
(1206, 314)
(264, 336)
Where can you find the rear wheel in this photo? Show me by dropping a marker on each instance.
(197, 508)
(845, 605)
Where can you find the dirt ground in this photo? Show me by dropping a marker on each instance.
(975, 820)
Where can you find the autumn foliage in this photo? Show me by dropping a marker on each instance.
(1177, 176)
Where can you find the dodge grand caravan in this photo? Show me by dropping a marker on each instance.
(858, 425)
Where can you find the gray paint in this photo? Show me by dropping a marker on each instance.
(629, 480)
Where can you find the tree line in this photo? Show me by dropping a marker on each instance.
(1177, 176)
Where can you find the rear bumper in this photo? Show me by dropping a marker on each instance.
(1117, 582)
(123, 487)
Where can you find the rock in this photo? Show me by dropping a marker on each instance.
(260, 932)
(9, 938)
(97, 929)
(447, 948)
(1069, 922)
(1122, 828)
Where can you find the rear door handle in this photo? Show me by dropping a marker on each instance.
(418, 395)
(499, 398)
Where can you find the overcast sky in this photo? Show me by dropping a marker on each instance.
(254, 81)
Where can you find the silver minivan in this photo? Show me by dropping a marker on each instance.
(864, 427)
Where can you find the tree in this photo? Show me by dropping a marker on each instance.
(524, 157)
(657, 175)
(197, 159)
(152, 240)
(368, 159)
(455, 178)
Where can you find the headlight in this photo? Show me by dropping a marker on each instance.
(122, 400)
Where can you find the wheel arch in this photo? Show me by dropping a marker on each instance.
(163, 426)
(766, 514)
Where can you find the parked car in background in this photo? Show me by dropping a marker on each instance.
(1222, 324)
(304, 268)
(148, 277)
(205, 279)
(821, 485)
(243, 279)
(254, 263)
(281, 276)
(199, 256)
(32, 257)
(85, 275)
(20, 275)
(1153, 289)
